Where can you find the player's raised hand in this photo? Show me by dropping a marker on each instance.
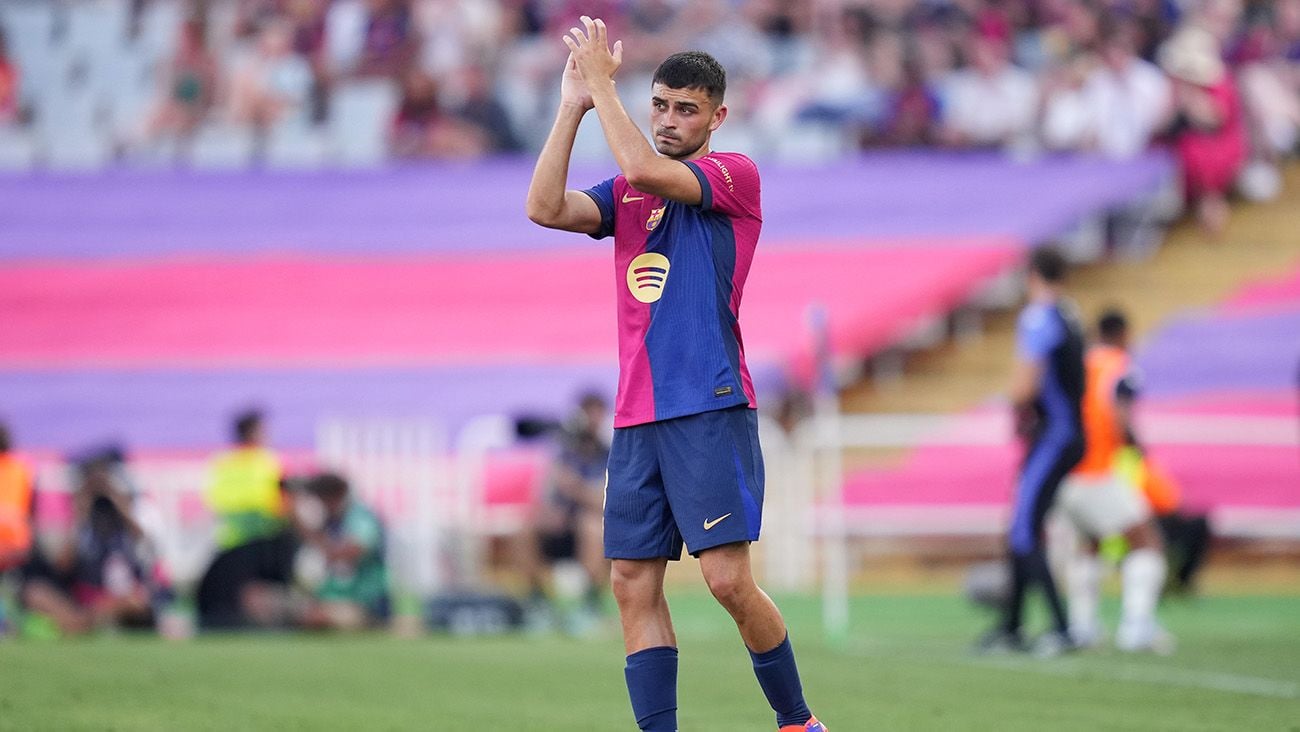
(573, 90)
(589, 47)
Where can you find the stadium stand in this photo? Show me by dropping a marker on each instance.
(221, 308)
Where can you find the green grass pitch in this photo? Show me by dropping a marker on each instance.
(905, 666)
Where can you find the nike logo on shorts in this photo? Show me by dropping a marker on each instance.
(710, 524)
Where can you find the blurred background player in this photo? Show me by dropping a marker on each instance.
(1099, 501)
(15, 521)
(244, 493)
(1046, 391)
(348, 538)
(567, 523)
(247, 582)
(15, 505)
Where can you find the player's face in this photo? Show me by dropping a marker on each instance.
(681, 120)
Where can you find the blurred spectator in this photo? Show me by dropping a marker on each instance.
(567, 522)
(1069, 119)
(1209, 128)
(479, 109)
(306, 19)
(348, 538)
(252, 15)
(419, 116)
(728, 33)
(307, 22)
(1113, 102)
(1272, 103)
(188, 85)
(390, 40)
(833, 87)
(274, 83)
(1286, 23)
(424, 129)
(912, 111)
(992, 103)
(100, 578)
(15, 505)
(244, 493)
(1133, 97)
(9, 78)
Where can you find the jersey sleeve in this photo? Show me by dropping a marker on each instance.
(729, 183)
(1037, 333)
(603, 194)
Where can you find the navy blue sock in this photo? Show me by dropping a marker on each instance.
(779, 677)
(652, 685)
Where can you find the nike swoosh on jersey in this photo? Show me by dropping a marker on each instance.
(629, 200)
(710, 524)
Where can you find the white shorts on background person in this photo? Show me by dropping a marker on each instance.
(1102, 505)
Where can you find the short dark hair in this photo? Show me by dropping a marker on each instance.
(1112, 324)
(327, 486)
(1048, 264)
(693, 70)
(5, 440)
(246, 423)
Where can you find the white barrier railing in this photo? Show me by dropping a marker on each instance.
(819, 444)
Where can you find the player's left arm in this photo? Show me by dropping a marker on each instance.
(644, 169)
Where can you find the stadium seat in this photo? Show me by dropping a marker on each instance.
(17, 149)
(809, 142)
(222, 146)
(295, 146)
(68, 131)
(96, 29)
(360, 115)
(160, 22)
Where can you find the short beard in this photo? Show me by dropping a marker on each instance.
(677, 150)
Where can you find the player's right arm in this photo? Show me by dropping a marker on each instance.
(550, 203)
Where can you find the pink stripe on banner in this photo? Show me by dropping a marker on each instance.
(1281, 293)
(347, 312)
(1257, 476)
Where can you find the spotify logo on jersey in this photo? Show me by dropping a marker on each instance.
(647, 275)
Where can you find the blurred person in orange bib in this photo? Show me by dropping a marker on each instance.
(1100, 500)
(15, 505)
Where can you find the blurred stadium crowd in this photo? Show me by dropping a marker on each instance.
(230, 83)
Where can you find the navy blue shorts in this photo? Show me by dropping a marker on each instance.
(696, 479)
